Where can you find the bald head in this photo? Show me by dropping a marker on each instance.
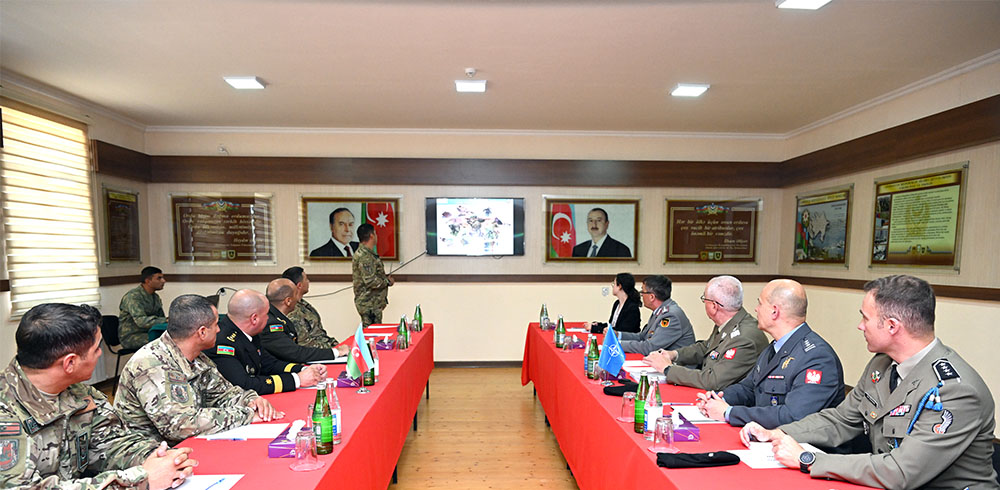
(244, 304)
(281, 293)
(788, 295)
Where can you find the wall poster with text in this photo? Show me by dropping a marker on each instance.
(591, 229)
(330, 226)
(822, 227)
(712, 231)
(918, 218)
(219, 228)
(121, 220)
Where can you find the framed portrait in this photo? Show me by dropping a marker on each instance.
(917, 220)
(721, 230)
(823, 226)
(591, 229)
(330, 226)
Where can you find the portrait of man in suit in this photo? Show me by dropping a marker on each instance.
(600, 243)
(341, 243)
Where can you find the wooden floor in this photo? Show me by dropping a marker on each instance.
(481, 429)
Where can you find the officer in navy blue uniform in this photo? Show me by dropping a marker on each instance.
(796, 375)
(280, 337)
(240, 359)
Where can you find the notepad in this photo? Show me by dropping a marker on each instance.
(760, 455)
(339, 360)
(252, 431)
(693, 415)
(210, 482)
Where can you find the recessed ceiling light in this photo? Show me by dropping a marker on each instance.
(245, 83)
(470, 86)
(800, 4)
(689, 89)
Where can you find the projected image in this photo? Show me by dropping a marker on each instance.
(475, 227)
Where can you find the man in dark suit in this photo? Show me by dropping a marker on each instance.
(239, 357)
(341, 232)
(600, 244)
(280, 338)
(796, 375)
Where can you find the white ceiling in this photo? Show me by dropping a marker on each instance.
(552, 65)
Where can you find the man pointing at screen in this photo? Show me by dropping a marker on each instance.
(371, 284)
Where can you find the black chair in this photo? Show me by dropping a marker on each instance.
(109, 329)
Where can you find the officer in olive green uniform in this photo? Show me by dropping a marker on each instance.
(305, 316)
(722, 359)
(371, 284)
(140, 309)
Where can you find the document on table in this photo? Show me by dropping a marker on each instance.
(382, 325)
(252, 431)
(339, 360)
(578, 330)
(210, 482)
(760, 456)
(385, 335)
(693, 415)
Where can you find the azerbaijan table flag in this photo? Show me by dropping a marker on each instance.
(360, 359)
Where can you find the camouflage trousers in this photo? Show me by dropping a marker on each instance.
(370, 316)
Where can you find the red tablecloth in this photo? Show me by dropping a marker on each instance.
(375, 428)
(604, 453)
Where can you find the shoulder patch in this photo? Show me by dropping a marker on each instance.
(10, 428)
(277, 327)
(731, 353)
(175, 377)
(944, 370)
(10, 453)
(946, 420)
(179, 393)
(814, 376)
(664, 323)
(226, 350)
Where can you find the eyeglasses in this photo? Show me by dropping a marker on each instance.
(645, 292)
(704, 299)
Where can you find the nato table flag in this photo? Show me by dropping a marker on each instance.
(360, 359)
(612, 357)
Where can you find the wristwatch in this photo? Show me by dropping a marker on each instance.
(806, 459)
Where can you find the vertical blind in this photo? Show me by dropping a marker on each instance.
(47, 212)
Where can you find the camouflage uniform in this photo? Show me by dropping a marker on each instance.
(167, 397)
(310, 328)
(138, 312)
(371, 285)
(50, 442)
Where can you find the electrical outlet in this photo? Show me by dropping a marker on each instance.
(605, 291)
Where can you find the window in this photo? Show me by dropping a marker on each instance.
(48, 218)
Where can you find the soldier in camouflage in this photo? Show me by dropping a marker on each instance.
(170, 390)
(371, 284)
(305, 316)
(71, 439)
(140, 309)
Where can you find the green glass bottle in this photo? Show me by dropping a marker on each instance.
(560, 335)
(640, 404)
(401, 334)
(593, 356)
(322, 421)
(419, 318)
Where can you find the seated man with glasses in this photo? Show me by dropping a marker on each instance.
(728, 354)
(668, 326)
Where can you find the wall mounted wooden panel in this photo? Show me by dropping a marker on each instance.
(120, 162)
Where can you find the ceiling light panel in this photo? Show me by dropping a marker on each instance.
(245, 83)
(689, 89)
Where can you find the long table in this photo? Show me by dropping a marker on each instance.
(604, 453)
(375, 428)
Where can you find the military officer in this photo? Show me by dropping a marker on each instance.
(668, 327)
(141, 308)
(170, 390)
(371, 284)
(927, 412)
(304, 315)
(728, 354)
(56, 431)
(239, 357)
(798, 374)
(280, 337)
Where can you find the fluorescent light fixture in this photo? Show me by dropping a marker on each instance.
(689, 89)
(800, 4)
(478, 86)
(245, 83)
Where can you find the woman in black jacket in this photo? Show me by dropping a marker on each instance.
(625, 311)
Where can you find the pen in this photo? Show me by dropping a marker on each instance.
(677, 404)
(227, 439)
(216, 483)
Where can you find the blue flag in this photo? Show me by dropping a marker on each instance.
(612, 357)
(366, 353)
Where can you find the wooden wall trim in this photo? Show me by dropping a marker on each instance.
(944, 291)
(477, 364)
(120, 162)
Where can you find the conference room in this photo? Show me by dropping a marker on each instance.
(813, 127)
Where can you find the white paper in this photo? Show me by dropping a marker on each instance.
(382, 325)
(213, 482)
(339, 360)
(252, 431)
(693, 415)
(578, 330)
(760, 456)
(382, 335)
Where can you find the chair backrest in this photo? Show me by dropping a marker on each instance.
(109, 329)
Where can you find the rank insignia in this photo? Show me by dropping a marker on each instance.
(82, 450)
(713, 355)
(10, 429)
(946, 419)
(787, 360)
(899, 411)
(736, 333)
(31, 425)
(813, 376)
(731, 353)
(876, 376)
(944, 370)
(275, 328)
(226, 349)
(267, 381)
(175, 377)
(9, 453)
(231, 337)
(664, 323)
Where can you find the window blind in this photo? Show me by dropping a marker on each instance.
(47, 212)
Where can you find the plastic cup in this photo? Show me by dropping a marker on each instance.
(663, 436)
(628, 408)
(305, 452)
